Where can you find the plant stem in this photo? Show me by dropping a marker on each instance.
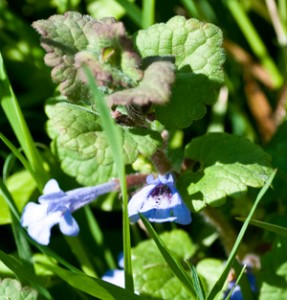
(226, 232)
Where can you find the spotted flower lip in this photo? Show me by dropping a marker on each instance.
(159, 201)
(56, 207)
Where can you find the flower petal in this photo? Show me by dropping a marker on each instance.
(137, 201)
(180, 210)
(159, 215)
(166, 179)
(32, 213)
(68, 225)
(116, 277)
(41, 231)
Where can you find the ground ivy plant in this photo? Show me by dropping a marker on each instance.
(156, 83)
(159, 79)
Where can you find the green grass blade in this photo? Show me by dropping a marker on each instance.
(23, 273)
(93, 286)
(148, 13)
(132, 11)
(191, 8)
(197, 283)
(175, 267)
(16, 119)
(254, 40)
(115, 141)
(220, 282)
(23, 248)
(18, 155)
(79, 250)
(280, 230)
(236, 283)
(99, 238)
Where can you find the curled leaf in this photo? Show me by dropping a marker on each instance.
(155, 87)
(72, 39)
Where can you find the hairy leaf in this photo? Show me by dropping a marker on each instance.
(82, 147)
(152, 276)
(12, 289)
(198, 58)
(72, 39)
(223, 165)
(154, 88)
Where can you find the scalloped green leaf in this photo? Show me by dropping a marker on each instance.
(12, 289)
(199, 56)
(224, 165)
(72, 40)
(152, 276)
(82, 147)
(272, 277)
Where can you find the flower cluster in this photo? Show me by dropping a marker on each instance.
(158, 201)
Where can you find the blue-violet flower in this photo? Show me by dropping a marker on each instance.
(159, 201)
(56, 207)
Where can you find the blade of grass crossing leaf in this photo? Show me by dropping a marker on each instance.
(9, 200)
(115, 141)
(93, 286)
(79, 250)
(270, 227)
(197, 283)
(220, 282)
(24, 274)
(175, 267)
(132, 11)
(17, 153)
(14, 114)
(18, 232)
(148, 13)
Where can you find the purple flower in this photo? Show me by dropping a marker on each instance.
(56, 207)
(159, 201)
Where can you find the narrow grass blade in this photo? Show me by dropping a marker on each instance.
(115, 141)
(24, 274)
(93, 286)
(148, 13)
(79, 250)
(236, 283)
(99, 238)
(17, 153)
(220, 282)
(175, 267)
(268, 226)
(16, 119)
(197, 283)
(23, 248)
(236, 9)
(132, 11)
